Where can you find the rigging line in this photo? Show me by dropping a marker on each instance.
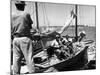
(46, 16)
(73, 9)
(69, 23)
(43, 15)
(73, 27)
(67, 27)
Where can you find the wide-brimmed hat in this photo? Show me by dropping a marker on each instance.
(20, 5)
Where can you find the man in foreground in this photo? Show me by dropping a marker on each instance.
(22, 42)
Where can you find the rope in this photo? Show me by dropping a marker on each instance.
(46, 16)
(43, 15)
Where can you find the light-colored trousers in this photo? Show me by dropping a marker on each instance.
(22, 47)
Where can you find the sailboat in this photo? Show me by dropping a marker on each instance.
(62, 61)
(77, 60)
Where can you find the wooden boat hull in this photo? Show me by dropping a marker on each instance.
(77, 61)
(73, 63)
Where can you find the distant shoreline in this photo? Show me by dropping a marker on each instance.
(70, 26)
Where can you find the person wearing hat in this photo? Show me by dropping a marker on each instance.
(22, 42)
(81, 36)
(20, 5)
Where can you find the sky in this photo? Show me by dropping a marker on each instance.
(55, 14)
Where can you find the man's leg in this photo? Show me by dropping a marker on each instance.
(27, 50)
(17, 56)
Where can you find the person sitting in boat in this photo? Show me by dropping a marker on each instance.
(79, 43)
(82, 36)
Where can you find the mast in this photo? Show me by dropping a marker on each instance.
(76, 29)
(37, 21)
(36, 9)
